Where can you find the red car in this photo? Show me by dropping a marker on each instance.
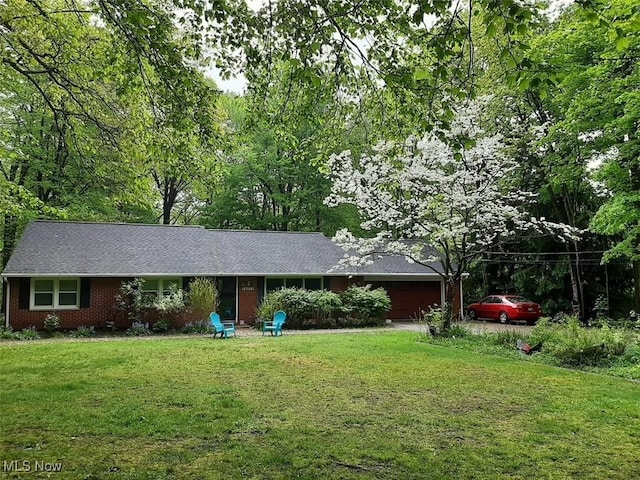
(505, 308)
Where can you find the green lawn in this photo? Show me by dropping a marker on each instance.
(365, 405)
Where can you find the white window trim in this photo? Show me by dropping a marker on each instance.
(56, 294)
(160, 280)
(304, 281)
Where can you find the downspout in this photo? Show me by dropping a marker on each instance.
(7, 303)
(464, 277)
(236, 321)
(461, 301)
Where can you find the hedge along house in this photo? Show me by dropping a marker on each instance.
(75, 269)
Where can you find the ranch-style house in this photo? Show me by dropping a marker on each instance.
(75, 270)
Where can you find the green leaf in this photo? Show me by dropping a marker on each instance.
(421, 74)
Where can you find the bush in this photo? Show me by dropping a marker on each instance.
(162, 326)
(51, 322)
(8, 333)
(573, 345)
(28, 334)
(305, 308)
(82, 332)
(457, 331)
(197, 327)
(433, 320)
(357, 307)
(174, 302)
(508, 339)
(365, 305)
(203, 297)
(138, 330)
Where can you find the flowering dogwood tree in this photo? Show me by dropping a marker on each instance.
(431, 201)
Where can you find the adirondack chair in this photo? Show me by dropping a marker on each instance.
(275, 326)
(224, 329)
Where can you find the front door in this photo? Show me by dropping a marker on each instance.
(227, 298)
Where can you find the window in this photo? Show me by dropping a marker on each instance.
(274, 284)
(311, 283)
(153, 288)
(55, 293)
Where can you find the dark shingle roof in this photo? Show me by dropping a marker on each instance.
(124, 250)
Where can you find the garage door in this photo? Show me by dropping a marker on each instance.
(409, 298)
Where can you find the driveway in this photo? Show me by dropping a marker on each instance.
(476, 326)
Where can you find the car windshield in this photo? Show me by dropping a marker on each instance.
(518, 300)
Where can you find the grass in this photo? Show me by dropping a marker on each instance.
(367, 405)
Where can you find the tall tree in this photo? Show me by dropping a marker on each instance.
(272, 177)
(554, 118)
(432, 202)
(84, 83)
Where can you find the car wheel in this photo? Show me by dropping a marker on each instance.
(504, 319)
(473, 315)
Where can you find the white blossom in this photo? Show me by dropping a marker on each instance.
(422, 196)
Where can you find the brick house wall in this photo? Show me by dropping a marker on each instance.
(101, 309)
(406, 300)
(248, 299)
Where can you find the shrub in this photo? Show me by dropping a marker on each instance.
(82, 332)
(174, 302)
(131, 299)
(366, 305)
(571, 344)
(305, 308)
(433, 320)
(197, 327)
(358, 306)
(274, 301)
(203, 296)
(28, 334)
(457, 331)
(51, 322)
(162, 326)
(138, 329)
(8, 333)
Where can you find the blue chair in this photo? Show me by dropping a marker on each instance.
(224, 329)
(275, 326)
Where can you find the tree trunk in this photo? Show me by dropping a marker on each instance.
(9, 232)
(447, 308)
(577, 302)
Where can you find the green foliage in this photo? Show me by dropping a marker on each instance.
(304, 308)
(132, 300)
(571, 344)
(363, 303)
(172, 303)
(7, 333)
(200, 326)
(29, 333)
(457, 331)
(82, 332)
(203, 297)
(356, 307)
(51, 322)
(434, 320)
(162, 326)
(138, 329)
(506, 339)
